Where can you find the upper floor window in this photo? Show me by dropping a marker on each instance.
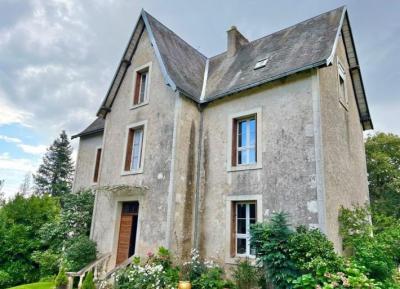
(343, 98)
(141, 86)
(134, 150)
(97, 166)
(244, 141)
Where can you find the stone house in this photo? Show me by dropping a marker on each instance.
(188, 151)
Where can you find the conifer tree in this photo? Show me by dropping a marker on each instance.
(54, 175)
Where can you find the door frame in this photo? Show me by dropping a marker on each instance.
(117, 223)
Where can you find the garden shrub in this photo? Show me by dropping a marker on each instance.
(88, 282)
(5, 279)
(156, 271)
(79, 252)
(311, 251)
(48, 261)
(375, 250)
(271, 241)
(61, 280)
(246, 276)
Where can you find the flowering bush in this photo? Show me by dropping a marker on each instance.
(156, 272)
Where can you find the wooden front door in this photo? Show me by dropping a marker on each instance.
(127, 231)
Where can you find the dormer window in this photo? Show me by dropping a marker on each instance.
(141, 86)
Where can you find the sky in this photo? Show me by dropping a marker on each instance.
(58, 57)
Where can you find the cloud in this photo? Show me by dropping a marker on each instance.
(9, 114)
(35, 150)
(16, 164)
(10, 139)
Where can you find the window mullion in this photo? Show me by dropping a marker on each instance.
(247, 229)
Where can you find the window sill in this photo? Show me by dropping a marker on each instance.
(244, 167)
(139, 105)
(124, 173)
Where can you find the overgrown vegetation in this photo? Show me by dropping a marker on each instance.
(41, 232)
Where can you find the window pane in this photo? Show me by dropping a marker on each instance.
(252, 211)
(137, 148)
(242, 133)
(241, 211)
(252, 155)
(242, 157)
(252, 132)
(143, 86)
(241, 246)
(241, 226)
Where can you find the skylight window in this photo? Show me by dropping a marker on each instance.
(261, 63)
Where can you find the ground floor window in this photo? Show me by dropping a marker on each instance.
(244, 215)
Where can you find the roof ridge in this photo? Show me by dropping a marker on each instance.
(183, 40)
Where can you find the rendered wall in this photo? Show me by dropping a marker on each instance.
(153, 183)
(343, 147)
(85, 162)
(287, 179)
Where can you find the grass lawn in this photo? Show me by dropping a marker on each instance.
(39, 285)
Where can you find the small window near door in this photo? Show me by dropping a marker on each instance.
(243, 216)
(97, 166)
(244, 141)
(141, 86)
(133, 158)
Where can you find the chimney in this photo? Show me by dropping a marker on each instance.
(235, 41)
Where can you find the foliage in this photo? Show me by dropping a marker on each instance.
(351, 277)
(54, 175)
(49, 262)
(245, 275)
(311, 251)
(383, 164)
(79, 252)
(271, 241)
(20, 220)
(156, 271)
(61, 279)
(211, 279)
(88, 282)
(376, 250)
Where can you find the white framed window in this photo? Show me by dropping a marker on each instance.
(246, 137)
(244, 140)
(241, 212)
(134, 149)
(245, 216)
(141, 85)
(343, 98)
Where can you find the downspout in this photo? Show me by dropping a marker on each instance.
(198, 176)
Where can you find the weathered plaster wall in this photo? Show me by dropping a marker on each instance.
(185, 174)
(86, 159)
(159, 115)
(286, 181)
(343, 147)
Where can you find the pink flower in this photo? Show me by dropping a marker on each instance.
(150, 254)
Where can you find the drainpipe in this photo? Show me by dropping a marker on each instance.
(198, 176)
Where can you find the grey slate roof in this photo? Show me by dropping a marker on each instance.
(184, 64)
(306, 45)
(96, 126)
